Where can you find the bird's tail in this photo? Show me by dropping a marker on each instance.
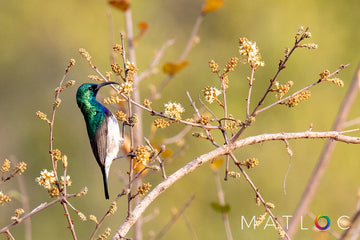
(105, 183)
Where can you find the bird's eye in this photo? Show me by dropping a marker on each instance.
(89, 88)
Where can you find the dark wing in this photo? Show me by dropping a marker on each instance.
(99, 144)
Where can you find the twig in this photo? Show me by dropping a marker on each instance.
(9, 235)
(161, 163)
(305, 88)
(25, 204)
(199, 116)
(183, 56)
(189, 227)
(222, 150)
(36, 210)
(155, 61)
(281, 67)
(178, 136)
(249, 93)
(174, 218)
(51, 140)
(350, 230)
(325, 156)
(352, 122)
(111, 34)
(290, 153)
(258, 195)
(221, 198)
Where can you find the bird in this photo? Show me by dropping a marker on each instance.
(102, 128)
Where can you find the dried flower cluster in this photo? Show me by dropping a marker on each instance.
(105, 235)
(173, 110)
(234, 174)
(214, 66)
(6, 166)
(295, 100)
(126, 88)
(4, 198)
(43, 117)
(324, 76)
(229, 67)
(95, 78)
(147, 103)
(121, 116)
(161, 123)
(114, 100)
(211, 93)
(250, 162)
(113, 208)
(251, 53)
(143, 189)
(47, 179)
(18, 212)
(85, 54)
(116, 68)
(142, 155)
(117, 48)
(282, 89)
(81, 216)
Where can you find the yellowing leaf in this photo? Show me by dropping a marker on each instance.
(172, 68)
(122, 5)
(216, 163)
(143, 26)
(138, 166)
(212, 5)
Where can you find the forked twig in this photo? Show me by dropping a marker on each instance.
(325, 156)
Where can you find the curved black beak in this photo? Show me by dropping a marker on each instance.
(100, 85)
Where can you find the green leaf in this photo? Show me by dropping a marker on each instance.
(220, 208)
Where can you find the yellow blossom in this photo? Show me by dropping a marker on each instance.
(66, 181)
(251, 52)
(144, 188)
(161, 123)
(6, 166)
(173, 110)
(46, 178)
(4, 198)
(250, 162)
(211, 93)
(214, 66)
(126, 88)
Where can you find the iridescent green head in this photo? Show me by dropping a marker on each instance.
(86, 94)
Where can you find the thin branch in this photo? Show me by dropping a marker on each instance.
(281, 67)
(351, 229)
(258, 195)
(174, 218)
(325, 156)
(36, 210)
(290, 153)
(223, 150)
(161, 163)
(178, 136)
(249, 93)
(25, 204)
(221, 198)
(199, 116)
(51, 140)
(183, 56)
(305, 88)
(155, 61)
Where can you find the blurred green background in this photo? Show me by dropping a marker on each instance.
(39, 37)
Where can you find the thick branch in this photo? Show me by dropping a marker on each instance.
(199, 161)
